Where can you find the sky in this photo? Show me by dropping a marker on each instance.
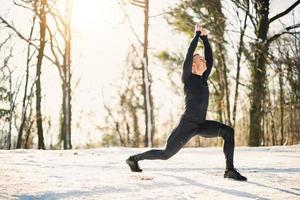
(101, 38)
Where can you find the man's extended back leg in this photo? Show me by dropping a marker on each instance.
(177, 139)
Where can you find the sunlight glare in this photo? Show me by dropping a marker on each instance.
(88, 13)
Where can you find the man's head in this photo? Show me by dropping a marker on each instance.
(199, 64)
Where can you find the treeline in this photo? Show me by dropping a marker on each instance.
(254, 86)
(48, 44)
(255, 90)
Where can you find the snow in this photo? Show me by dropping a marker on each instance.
(193, 173)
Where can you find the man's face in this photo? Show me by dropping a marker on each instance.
(199, 65)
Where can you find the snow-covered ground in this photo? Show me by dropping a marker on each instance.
(193, 173)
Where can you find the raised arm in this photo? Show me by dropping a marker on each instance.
(208, 56)
(188, 62)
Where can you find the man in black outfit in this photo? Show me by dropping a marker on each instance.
(193, 122)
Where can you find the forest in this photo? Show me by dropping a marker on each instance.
(254, 84)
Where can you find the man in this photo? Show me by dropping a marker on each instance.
(193, 122)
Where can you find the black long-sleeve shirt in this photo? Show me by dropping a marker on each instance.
(195, 86)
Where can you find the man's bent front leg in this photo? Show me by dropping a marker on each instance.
(217, 129)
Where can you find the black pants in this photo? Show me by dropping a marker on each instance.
(184, 131)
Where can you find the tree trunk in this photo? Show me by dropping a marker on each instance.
(258, 74)
(39, 122)
(238, 67)
(24, 104)
(146, 80)
(29, 127)
(227, 94)
(68, 58)
(136, 132)
(11, 108)
(63, 117)
(152, 113)
(219, 106)
(281, 104)
(66, 118)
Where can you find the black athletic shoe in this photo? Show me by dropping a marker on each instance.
(234, 174)
(134, 165)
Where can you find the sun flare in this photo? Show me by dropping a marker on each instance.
(88, 13)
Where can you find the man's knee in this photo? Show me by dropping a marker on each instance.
(227, 132)
(167, 154)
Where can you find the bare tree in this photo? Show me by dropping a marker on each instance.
(62, 58)
(257, 58)
(10, 95)
(243, 26)
(123, 116)
(285, 59)
(40, 10)
(26, 97)
(147, 81)
(6, 97)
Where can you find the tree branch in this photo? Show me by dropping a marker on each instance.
(6, 40)
(131, 26)
(14, 29)
(246, 9)
(137, 3)
(24, 38)
(160, 14)
(284, 31)
(284, 12)
(57, 64)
